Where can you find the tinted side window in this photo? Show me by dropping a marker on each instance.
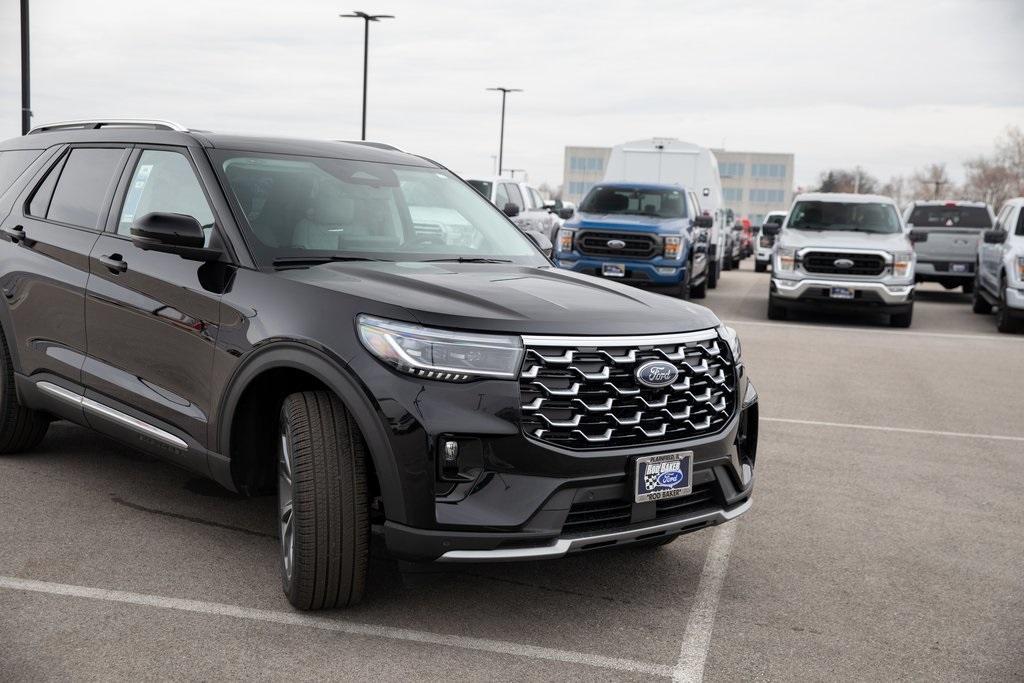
(13, 163)
(501, 197)
(41, 197)
(83, 186)
(164, 182)
(1020, 222)
(515, 196)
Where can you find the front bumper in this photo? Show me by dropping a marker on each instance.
(658, 272)
(865, 292)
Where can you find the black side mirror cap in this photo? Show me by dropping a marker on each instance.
(566, 212)
(172, 233)
(704, 221)
(916, 236)
(511, 210)
(771, 230)
(997, 236)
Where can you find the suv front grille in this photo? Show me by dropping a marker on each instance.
(584, 393)
(593, 243)
(824, 262)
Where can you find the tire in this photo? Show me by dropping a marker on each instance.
(760, 266)
(968, 286)
(323, 511)
(21, 429)
(979, 304)
(712, 279)
(699, 291)
(1005, 323)
(727, 264)
(775, 311)
(902, 319)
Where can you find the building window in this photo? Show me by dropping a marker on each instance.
(731, 169)
(732, 194)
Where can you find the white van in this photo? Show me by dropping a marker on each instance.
(674, 162)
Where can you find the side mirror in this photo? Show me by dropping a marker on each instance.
(510, 210)
(542, 242)
(916, 236)
(172, 233)
(771, 230)
(566, 212)
(704, 222)
(997, 236)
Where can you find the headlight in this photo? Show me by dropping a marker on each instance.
(901, 263)
(440, 354)
(785, 260)
(1020, 268)
(673, 246)
(729, 336)
(565, 240)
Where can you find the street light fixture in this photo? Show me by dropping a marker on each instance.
(501, 138)
(512, 172)
(367, 18)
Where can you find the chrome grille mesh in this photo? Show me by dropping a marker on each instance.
(586, 396)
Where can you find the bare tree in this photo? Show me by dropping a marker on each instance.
(847, 180)
(999, 177)
(932, 182)
(895, 187)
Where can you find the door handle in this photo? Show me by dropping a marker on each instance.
(17, 234)
(114, 263)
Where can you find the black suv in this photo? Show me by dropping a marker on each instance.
(359, 330)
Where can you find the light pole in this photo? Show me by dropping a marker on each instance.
(367, 18)
(513, 171)
(26, 81)
(501, 137)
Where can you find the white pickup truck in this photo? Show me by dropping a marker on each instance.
(945, 236)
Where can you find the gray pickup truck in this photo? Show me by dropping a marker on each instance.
(945, 237)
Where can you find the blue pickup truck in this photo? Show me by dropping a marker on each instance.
(647, 235)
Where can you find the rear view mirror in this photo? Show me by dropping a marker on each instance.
(172, 233)
(996, 236)
(703, 221)
(511, 210)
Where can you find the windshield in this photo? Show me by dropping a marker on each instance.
(853, 216)
(482, 186)
(644, 202)
(311, 208)
(950, 217)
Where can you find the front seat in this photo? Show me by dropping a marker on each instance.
(325, 222)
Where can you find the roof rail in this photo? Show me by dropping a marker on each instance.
(371, 143)
(94, 124)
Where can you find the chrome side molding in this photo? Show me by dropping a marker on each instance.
(112, 414)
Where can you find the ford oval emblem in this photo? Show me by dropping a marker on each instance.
(843, 263)
(670, 478)
(616, 244)
(657, 373)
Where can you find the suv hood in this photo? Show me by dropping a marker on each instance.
(507, 298)
(843, 239)
(626, 222)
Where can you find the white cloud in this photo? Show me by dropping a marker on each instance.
(887, 85)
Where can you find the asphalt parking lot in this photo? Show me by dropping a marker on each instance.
(886, 541)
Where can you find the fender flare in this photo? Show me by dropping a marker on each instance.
(335, 374)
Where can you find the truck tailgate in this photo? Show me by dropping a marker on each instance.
(948, 244)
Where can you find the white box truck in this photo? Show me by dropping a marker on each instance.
(674, 162)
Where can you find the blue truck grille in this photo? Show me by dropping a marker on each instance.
(595, 243)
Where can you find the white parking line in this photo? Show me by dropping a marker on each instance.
(337, 625)
(905, 430)
(693, 651)
(872, 330)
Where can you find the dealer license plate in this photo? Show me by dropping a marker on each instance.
(959, 268)
(663, 476)
(841, 293)
(613, 270)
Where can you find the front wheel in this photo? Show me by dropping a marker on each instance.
(323, 513)
(979, 304)
(21, 429)
(902, 319)
(760, 266)
(712, 279)
(1005, 322)
(775, 311)
(699, 291)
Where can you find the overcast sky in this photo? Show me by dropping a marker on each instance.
(889, 85)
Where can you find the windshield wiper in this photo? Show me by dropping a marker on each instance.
(467, 259)
(317, 260)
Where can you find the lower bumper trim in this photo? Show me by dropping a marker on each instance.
(563, 546)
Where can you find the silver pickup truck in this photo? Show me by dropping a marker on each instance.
(945, 237)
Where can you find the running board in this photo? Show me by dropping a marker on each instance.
(116, 415)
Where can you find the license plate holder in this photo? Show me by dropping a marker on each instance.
(841, 293)
(958, 268)
(613, 270)
(668, 475)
